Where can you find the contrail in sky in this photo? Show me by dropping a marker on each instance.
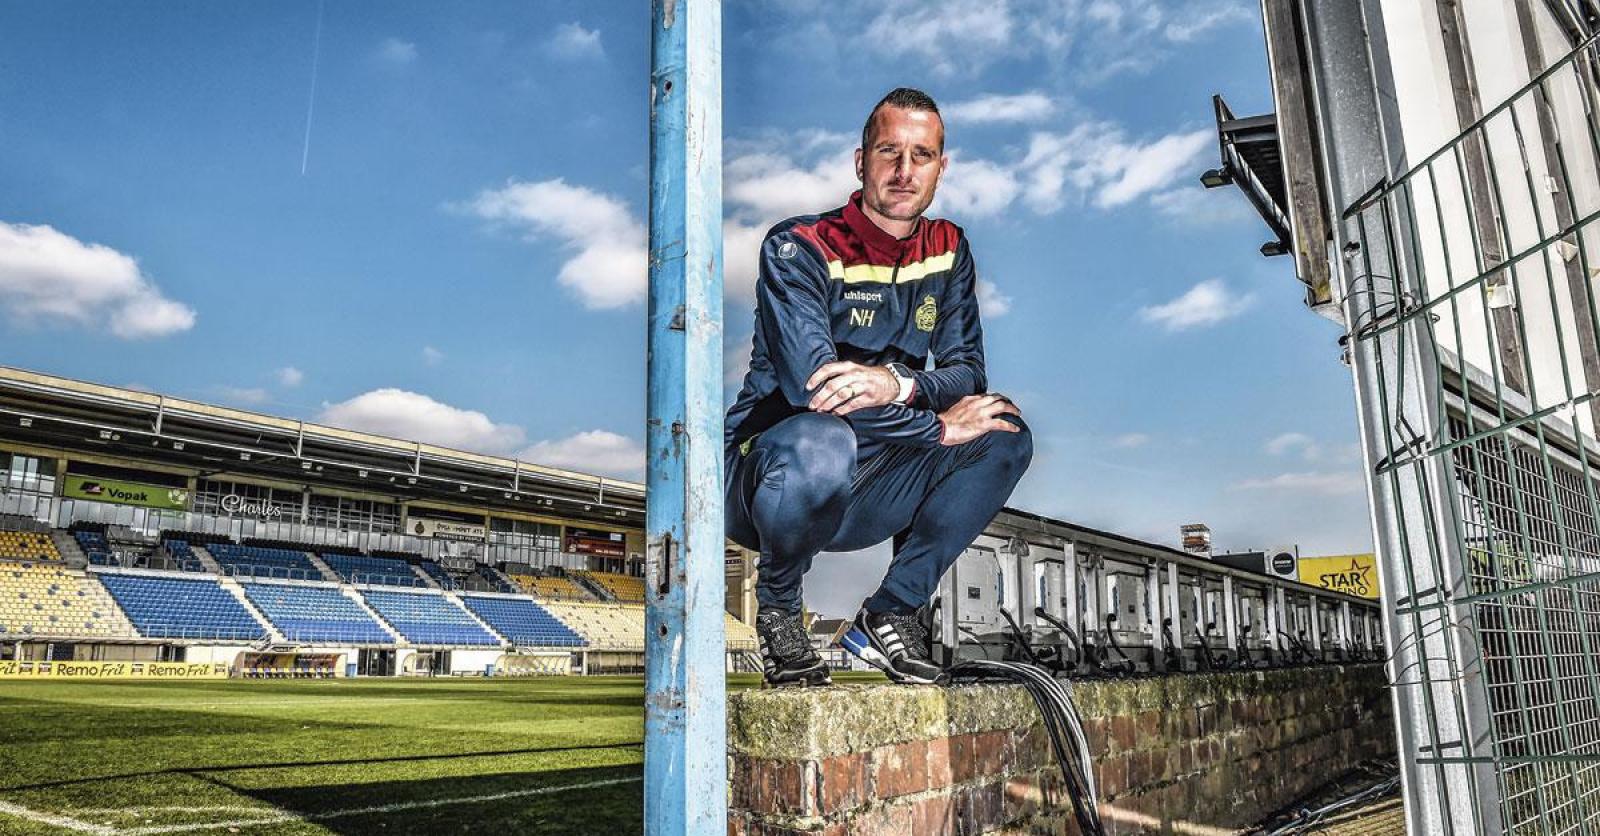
(311, 100)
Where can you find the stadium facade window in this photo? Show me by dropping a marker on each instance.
(27, 485)
(525, 541)
(239, 499)
(354, 514)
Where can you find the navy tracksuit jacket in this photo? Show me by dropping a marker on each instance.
(832, 287)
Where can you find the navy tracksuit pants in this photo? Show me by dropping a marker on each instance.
(800, 490)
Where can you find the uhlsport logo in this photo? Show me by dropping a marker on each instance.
(927, 314)
(787, 250)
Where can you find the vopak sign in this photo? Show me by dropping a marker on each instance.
(1352, 574)
(125, 493)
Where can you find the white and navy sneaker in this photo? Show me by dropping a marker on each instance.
(786, 654)
(894, 643)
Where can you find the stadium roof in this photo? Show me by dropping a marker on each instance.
(92, 418)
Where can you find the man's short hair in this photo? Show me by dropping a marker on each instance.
(908, 98)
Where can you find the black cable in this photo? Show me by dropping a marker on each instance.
(1062, 724)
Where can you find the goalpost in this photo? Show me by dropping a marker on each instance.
(685, 752)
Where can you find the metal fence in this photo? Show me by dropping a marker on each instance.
(1118, 605)
(1469, 293)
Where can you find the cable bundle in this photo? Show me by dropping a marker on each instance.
(1061, 721)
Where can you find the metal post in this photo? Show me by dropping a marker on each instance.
(685, 757)
(1230, 614)
(1152, 607)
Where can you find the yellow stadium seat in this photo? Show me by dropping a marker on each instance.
(43, 599)
(27, 545)
(620, 627)
(625, 588)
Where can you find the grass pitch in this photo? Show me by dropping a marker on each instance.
(554, 755)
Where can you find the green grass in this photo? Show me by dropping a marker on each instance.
(285, 757)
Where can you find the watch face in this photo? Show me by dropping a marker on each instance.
(899, 370)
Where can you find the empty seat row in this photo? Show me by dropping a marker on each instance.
(625, 588)
(522, 621)
(315, 613)
(264, 562)
(27, 545)
(382, 571)
(427, 618)
(551, 586)
(182, 608)
(46, 599)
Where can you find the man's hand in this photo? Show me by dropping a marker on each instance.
(975, 415)
(847, 387)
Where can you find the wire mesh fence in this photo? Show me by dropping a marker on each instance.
(1473, 324)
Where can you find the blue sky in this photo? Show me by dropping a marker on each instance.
(454, 249)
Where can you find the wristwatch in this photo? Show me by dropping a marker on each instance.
(908, 384)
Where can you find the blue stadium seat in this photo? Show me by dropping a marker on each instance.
(263, 562)
(181, 608)
(315, 613)
(522, 621)
(380, 571)
(425, 618)
(438, 573)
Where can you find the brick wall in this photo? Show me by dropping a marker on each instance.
(1192, 753)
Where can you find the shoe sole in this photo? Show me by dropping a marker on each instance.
(858, 644)
(818, 679)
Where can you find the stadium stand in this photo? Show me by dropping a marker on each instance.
(551, 587)
(47, 600)
(428, 619)
(264, 562)
(184, 555)
(522, 621)
(607, 626)
(494, 579)
(27, 545)
(380, 571)
(315, 613)
(96, 547)
(625, 588)
(182, 608)
(439, 575)
(604, 626)
(740, 636)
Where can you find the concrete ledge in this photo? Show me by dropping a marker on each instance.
(1209, 751)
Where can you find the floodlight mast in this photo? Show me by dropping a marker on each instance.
(685, 752)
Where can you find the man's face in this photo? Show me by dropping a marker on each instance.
(900, 170)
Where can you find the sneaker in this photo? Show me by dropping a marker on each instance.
(786, 654)
(896, 644)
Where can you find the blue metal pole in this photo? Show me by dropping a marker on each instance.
(685, 748)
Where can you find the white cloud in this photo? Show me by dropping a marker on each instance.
(47, 276)
(1316, 482)
(992, 304)
(1289, 442)
(572, 41)
(252, 396)
(594, 451)
(394, 51)
(1128, 441)
(432, 356)
(1145, 168)
(975, 188)
(1199, 21)
(736, 361)
(1207, 303)
(417, 417)
(606, 267)
(950, 36)
(290, 376)
(995, 107)
(1096, 159)
(1083, 42)
(1195, 205)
